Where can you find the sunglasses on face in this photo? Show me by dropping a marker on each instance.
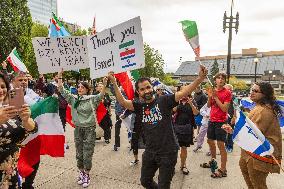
(255, 91)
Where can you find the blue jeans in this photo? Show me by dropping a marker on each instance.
(229, 141)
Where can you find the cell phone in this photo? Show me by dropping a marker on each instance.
(16, 98)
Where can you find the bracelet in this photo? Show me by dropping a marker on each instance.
(60, 78)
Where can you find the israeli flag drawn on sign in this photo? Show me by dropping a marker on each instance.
(247, 136)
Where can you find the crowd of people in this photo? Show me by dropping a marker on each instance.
(163, 124)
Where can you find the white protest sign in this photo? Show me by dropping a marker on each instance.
(117, 49)
(52, 54)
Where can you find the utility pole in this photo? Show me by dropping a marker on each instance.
(230, 22)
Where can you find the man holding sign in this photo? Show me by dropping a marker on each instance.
(155, 117)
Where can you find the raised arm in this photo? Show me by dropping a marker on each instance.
(185, 91)
(193, 107)
(119, 97)
(66, 94)
(104, 86)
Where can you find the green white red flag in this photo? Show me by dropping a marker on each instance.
(16, 62)
(127, 81)
(49, 140)
(190, 32)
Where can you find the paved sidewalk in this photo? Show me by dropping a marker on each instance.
(111, 170)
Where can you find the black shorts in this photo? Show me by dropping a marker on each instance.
(215, 132)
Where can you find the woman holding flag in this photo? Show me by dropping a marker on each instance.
(255, 168)
(84, 118)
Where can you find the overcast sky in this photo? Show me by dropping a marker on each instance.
(261, 23)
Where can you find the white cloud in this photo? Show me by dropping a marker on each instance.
(260, 23)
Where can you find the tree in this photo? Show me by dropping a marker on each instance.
(214, 68)
(154, 63)
(79, 32)
(168, 80)
(239, 85)
(15, 29)
(37, 30)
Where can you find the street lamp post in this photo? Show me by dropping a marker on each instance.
(230, 22)
(269, 74)
(255, 68)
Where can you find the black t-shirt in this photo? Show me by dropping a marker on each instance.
(200, 99)
(156, 121)
(184, 114)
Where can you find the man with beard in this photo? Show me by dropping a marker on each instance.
(20, 79)
(154, 114)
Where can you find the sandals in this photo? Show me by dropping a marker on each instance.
(205, 165)
(219, 174)
(184, 170)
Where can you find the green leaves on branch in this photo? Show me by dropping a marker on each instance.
(15, 29)
(154, 63)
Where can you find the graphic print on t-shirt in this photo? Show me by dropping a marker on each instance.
(151, 116)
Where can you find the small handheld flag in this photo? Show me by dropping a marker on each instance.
(247, 136)
(191, 35)
(56, 28)
(16, 62)
(190, 32)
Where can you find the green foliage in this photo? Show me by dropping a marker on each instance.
(239, 85)
(168, 80)
(37, 30)
(15, 29)
(154, 63)
(215, 68)
(79, 32)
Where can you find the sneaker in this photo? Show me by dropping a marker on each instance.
(135, 162)
(229, 150)
(66, 146)
(107, 141)
(213, 165)
(86, 180)
(80, 178)
(197, 148)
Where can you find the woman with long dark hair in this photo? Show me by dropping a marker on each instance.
(15, 126)
(255, 169)
(184, 124)
(82, 108)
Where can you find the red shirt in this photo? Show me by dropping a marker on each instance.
(216, 114)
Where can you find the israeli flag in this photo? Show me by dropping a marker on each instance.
(167, 90)
(250, 105)
(247, 136)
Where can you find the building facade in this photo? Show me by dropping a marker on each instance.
(249, 66)
(41, 10)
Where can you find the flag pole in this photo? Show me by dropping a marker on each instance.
(198, 58)
(277, 163)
